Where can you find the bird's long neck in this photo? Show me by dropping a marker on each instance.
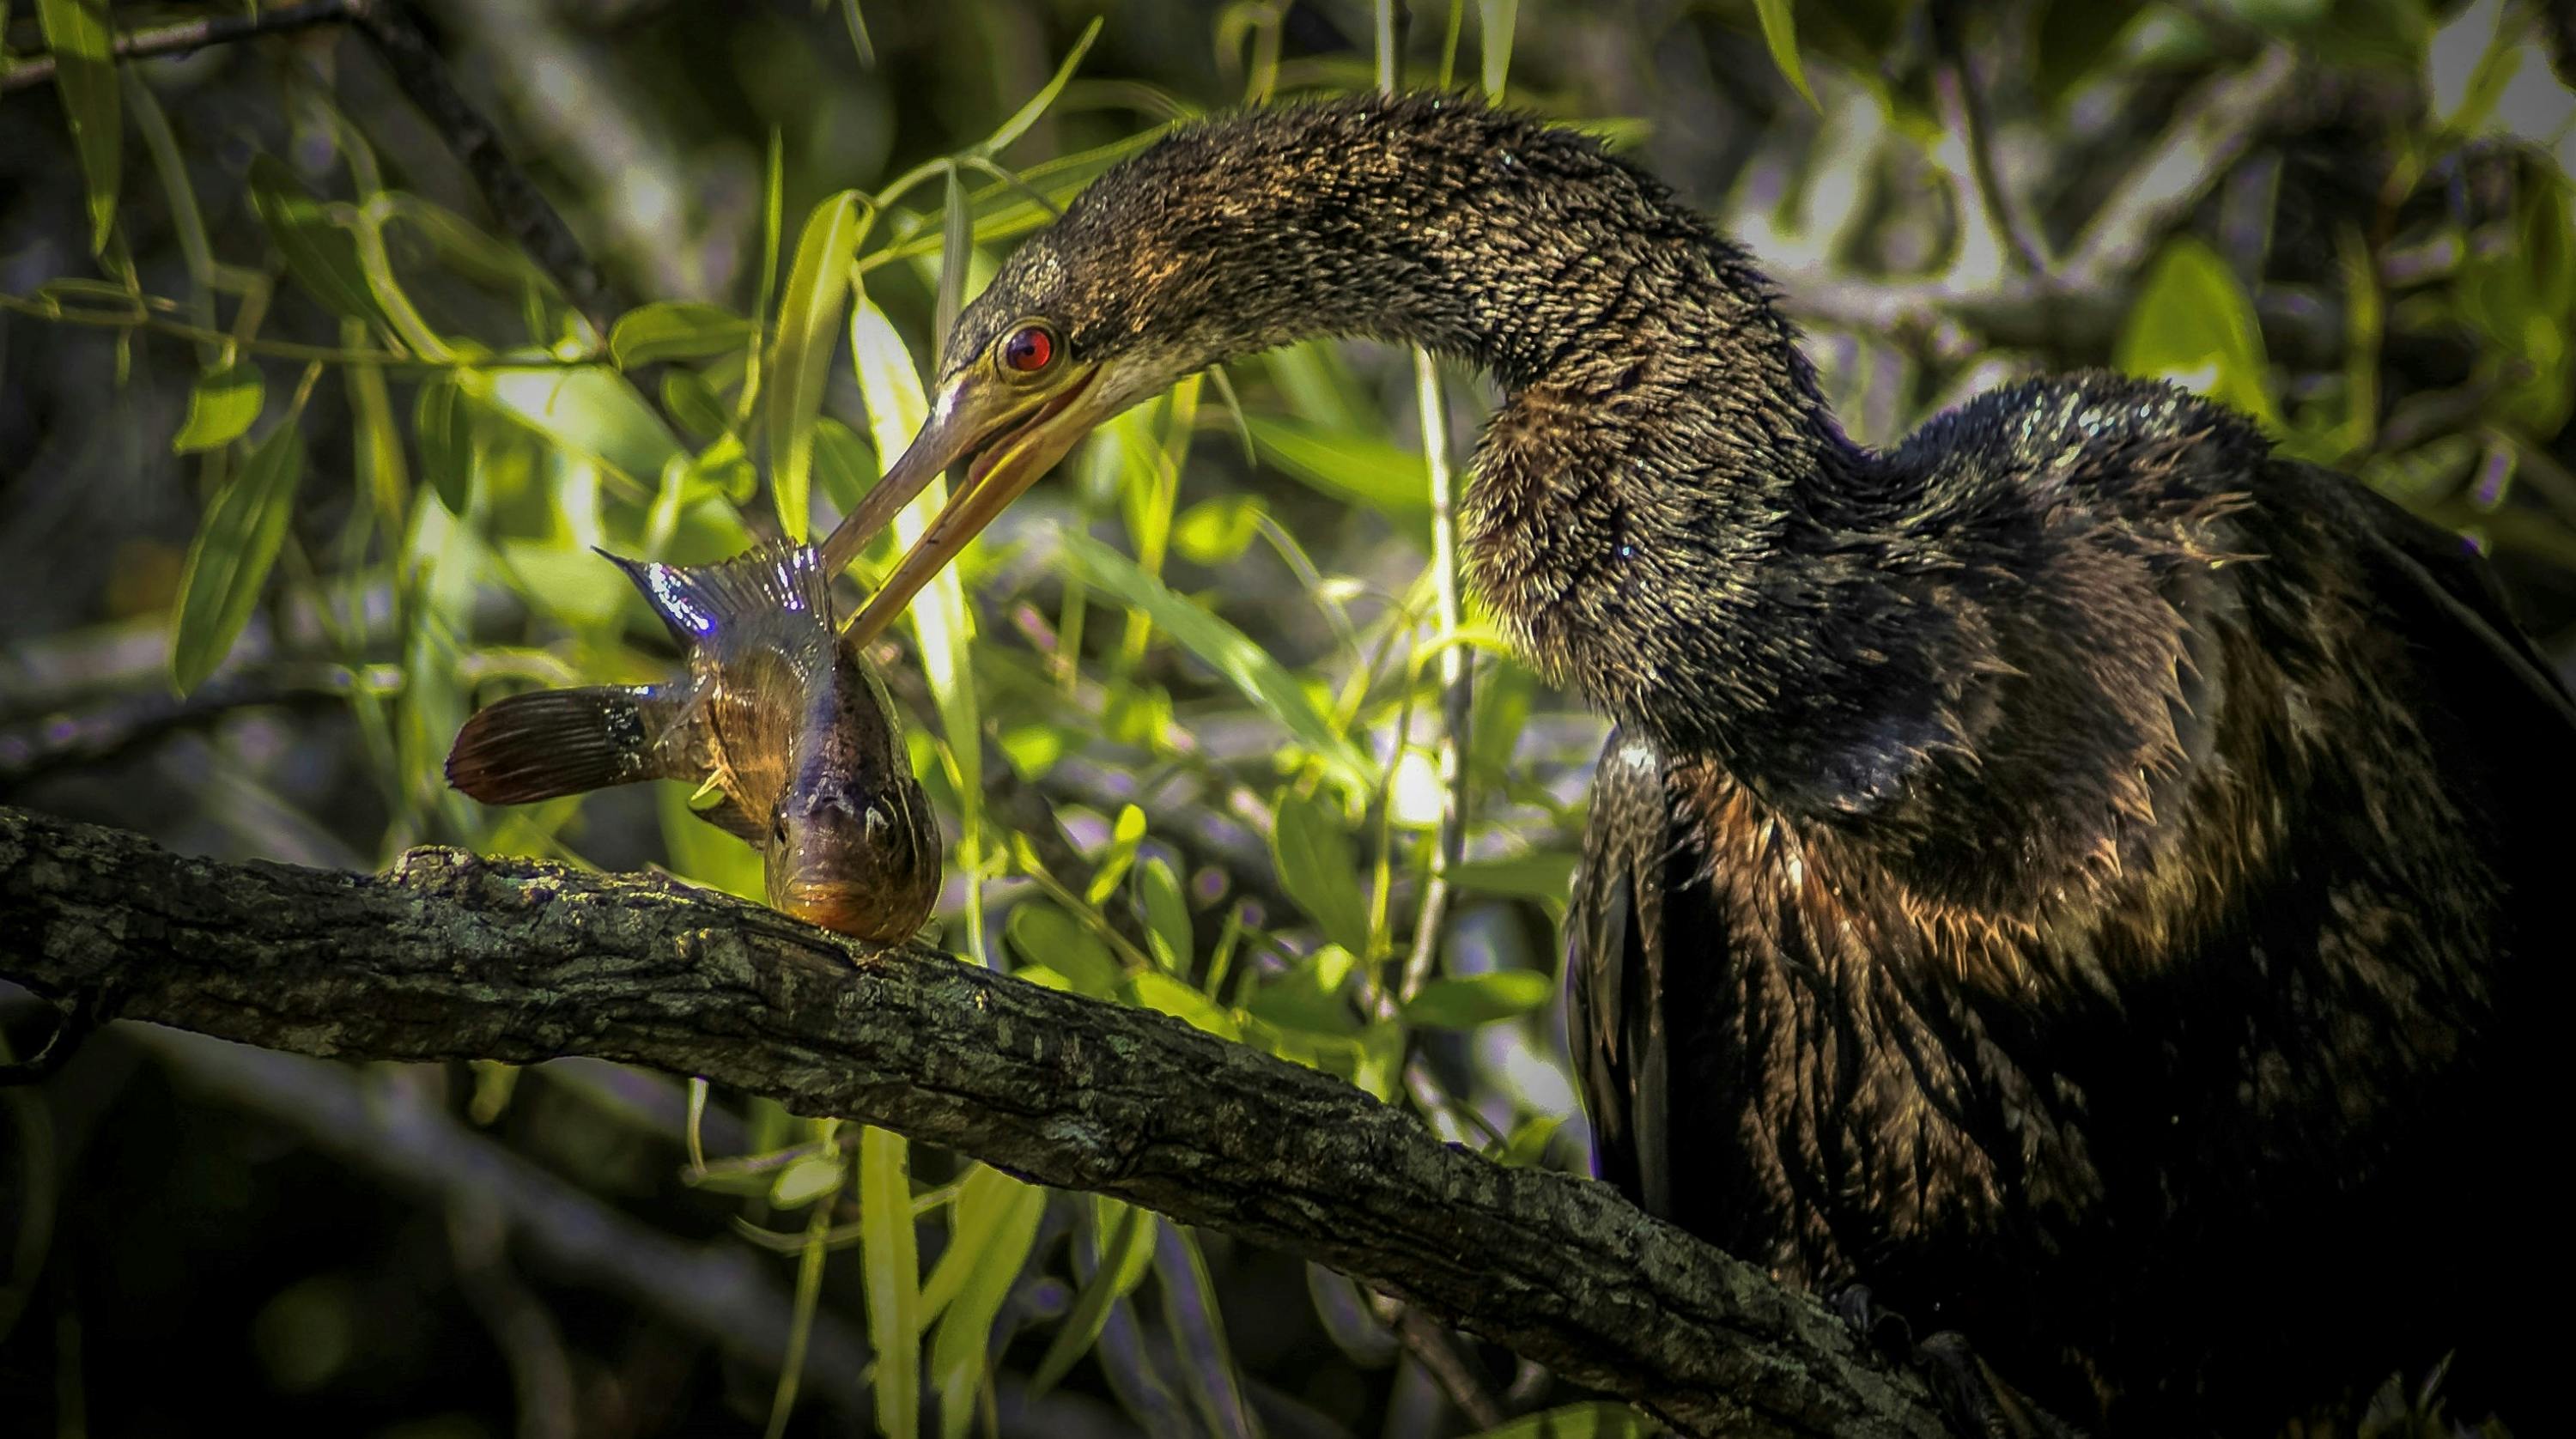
(1664, 511)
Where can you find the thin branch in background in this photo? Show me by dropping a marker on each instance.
(2214, 127)
(186, 36)
(1429, 1345)
(530, 1341)
(1965, 114)
(515, 200)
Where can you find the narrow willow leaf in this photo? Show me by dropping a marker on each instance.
(1595, 1420)
(1227, 650)
(1529, 1140)
(1320, 869)
(701, 853)
(690, 400)
(842, 463)
(1152, 989)
(1028, 114)
(2193, 324)
(1044, 934)
(1311, 996)
(1125, 833)
(996, 1225)
(229, 563)
(1123, 1246)
(322, 255)
(1780, 32)
(76, 33)
(377, 448)
(956, 256)
(590, 410)
(1198, 1333)
(807, 1180)
(1167, 913)
(1218, 531)
(1497, 19)
(809, 1293)
(1466, 1001)
(857, 24)
(809, 326)
(1349, 466)
(221, 409)
(1545, 875)
(675, 330)
(942, 625)
(444, 427)
(893, 1278)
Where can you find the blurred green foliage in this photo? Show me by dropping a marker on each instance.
(1213, 643)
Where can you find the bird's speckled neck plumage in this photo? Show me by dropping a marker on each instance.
(1660, 415)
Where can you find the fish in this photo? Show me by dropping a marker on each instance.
(774, 710)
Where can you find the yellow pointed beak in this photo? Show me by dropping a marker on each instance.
(1013, 433)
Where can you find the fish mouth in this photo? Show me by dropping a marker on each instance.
(1008, 438)
(884, 914)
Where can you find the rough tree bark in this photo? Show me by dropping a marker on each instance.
(450, 956)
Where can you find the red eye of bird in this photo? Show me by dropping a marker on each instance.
(1030, 349)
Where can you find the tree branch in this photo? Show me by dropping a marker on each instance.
(184, 36)
(451, 956)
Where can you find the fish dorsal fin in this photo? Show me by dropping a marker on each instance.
(697, 601)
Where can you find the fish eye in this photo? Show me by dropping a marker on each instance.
(1030, 348)
(778, 825)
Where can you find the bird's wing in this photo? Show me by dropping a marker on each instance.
(2414, 565)
(1614, 935)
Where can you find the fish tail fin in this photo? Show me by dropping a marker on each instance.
(548, 743)
(696, 601)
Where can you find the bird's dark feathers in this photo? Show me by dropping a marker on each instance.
(2077, 872)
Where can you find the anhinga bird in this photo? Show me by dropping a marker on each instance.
(2077, 873)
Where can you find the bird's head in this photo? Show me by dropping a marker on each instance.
(1224, 238)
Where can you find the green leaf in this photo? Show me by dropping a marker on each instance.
(703, 854)
(1028, 114)
(229, 563)
(995, 1227)
(320, 254)
(677, 330)
(1221, 646)
(1320, 868)
(689, 399)
(956, 257)
(806, 1180)
(76, 34)
(443, 424)
(1125, 1256)
(943, 628)
(1780, 32)
(1496, 20)
(1466, 1001)
(1546, 875)
(1197, 1327)
(1127, 832)
(1155, 990)
(1593, 1420)
(843, 462)
(221, 408)
(809, 326)
(2193, 324)
(893, 1277)
(1529, 1140)
(1218, 531)
(1044, 934)
(1350, 467)
(1167, 913)
(590, 410)
(1311, 997)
